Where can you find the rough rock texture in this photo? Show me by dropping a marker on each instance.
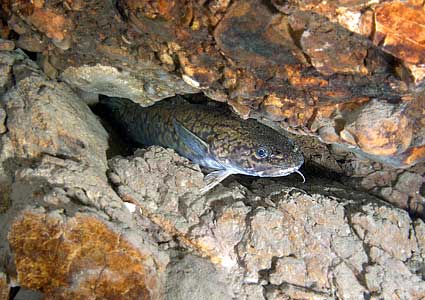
(404, 188)
(195, 278)
(4, 287)
(65, 231)
(316, 241)
(348, 72)
(76, 226)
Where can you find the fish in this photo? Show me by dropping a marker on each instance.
(214, 138)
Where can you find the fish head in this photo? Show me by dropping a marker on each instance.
(260, 151)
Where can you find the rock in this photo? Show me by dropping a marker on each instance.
(54, 25)
(331, 51)
(397, 186)
(289, 270)
(195, 278)
(273, 42)
(65, 231)
(146, 89)
(266, 239)
(409, 183)
(31, 42)
(420, 234)
(399, 31)
(89, 253)
(348, 287)
(2, 121)
(6, 45)
(294, 292)
(25, 294)
(4, 287)
(181, 208)
(391, 230)
(381, 129)
(46, 117)
(348, 72)
(391, 278)
(180, 183)
(6, 61)
(295, 243)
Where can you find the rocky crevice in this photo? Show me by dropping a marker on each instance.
(79, 226)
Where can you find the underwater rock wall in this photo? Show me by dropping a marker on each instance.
(76, 226)
(348, 72)
(345, 77)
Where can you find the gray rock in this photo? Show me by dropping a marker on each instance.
(6, 45)
(25, 294)
(195, 278)
(409, 183)
(46, 117)
(390, 278)
(386, 228)
(348, 287)
(290, 243)
(144, 87)
(289, 270)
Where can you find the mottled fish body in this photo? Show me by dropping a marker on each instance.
(211, 137)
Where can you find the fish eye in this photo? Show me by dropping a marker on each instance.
(262, 152)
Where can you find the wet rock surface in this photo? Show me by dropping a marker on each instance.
(317, 240)
(76, 225)
(348, 72)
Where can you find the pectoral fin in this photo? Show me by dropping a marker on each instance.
(192, 141)
(214, 178)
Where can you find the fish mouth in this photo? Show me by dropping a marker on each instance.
(281, 172)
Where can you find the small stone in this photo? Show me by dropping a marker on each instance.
(382, 129)
(395, 197)
(130, 206)
(6, 45)
(409, 183)
(31, 42)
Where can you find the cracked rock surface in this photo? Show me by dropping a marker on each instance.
(78, 226)
(316, 241)
(348, 72)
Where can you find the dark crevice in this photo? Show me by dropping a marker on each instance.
(13, 292)
(31, 55)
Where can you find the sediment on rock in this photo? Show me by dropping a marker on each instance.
(76, 225)
(350, 73)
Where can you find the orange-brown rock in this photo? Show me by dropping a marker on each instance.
(4, 287)
(303, 64)
(81, 257)
(400, 30)
(53, 25)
